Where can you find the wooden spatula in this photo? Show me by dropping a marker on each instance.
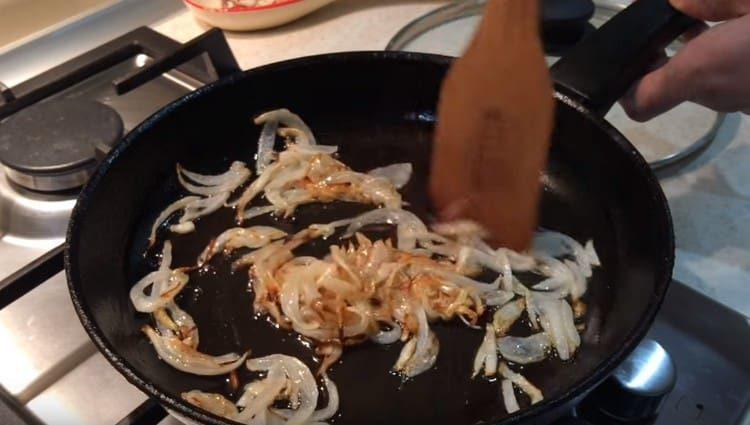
(495, 122)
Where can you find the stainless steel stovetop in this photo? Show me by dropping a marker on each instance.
(54, 375)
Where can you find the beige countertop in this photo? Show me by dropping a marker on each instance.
(710, 199)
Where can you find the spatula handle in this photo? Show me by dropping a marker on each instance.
(598, 71)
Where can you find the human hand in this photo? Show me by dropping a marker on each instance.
(712, 69)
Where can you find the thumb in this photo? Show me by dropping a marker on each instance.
(657, 92)
(713, 10)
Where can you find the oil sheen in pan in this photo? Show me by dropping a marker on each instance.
(221, 304)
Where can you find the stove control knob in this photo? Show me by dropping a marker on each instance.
(637, 388)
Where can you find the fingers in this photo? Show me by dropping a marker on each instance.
(713, 10)
(657, 92)
(711, 70)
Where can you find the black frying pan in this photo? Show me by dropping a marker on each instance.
(379, 108)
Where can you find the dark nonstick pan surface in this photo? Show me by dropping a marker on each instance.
(379, 108)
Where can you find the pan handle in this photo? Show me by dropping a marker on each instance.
(602, 67)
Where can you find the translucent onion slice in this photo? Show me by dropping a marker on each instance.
(531, 349)
(425, 350)
(288, 119)
(557, 244)
(366, 189)
(306, 149)
(301, 378)
(204, 207)
(178, 205)
(497, 298)
(259, 396)
(241, 237)
(266, 141)
(214, 403)
(398, 174)
(407, 351)
(258, 211)
(209, 185)
(185, 358)
(507, 315)
(578, 284)
(173, 318)
(521, 382)
(333, 401)
(557, 320)
(405, 220)
(385, 337)
(486, 356)
(509, 396)
(163, 285)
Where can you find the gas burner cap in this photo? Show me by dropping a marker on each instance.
(51, 146)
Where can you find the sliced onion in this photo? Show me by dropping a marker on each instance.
(313, 149)
(388, 337)
(496, 298)
(507, 315)
(214, 403)
(426, 349)
(204, 207)
(164, 284)
(578, 284)
(183, 228)
(397, 174)
(171, 209)
(518, 262)
(259, 396)
(403, 219)
(591, 254)
(557, 244)
(486, 356)
(254, 189)
(333, 401)
(463, 281)
(266, 141)
(302, 379)
(241, 237)
(331, 353)
(258, 211)
(173, 318)
(407, 351)
(289, 119)
(509, 396)
(556, 318)
(370, 189)
(533, 392)
(531, 349)
(187, 359)
(209, 185)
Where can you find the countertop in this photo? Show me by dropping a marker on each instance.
(710, 198)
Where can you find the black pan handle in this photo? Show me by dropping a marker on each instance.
(600, 69)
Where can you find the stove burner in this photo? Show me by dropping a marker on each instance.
(51, 146)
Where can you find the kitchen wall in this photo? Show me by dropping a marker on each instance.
(21, 18)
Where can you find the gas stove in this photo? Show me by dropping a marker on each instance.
(694, 367)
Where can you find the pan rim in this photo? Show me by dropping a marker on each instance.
(176, 404)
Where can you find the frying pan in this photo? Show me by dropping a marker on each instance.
(379, 107)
